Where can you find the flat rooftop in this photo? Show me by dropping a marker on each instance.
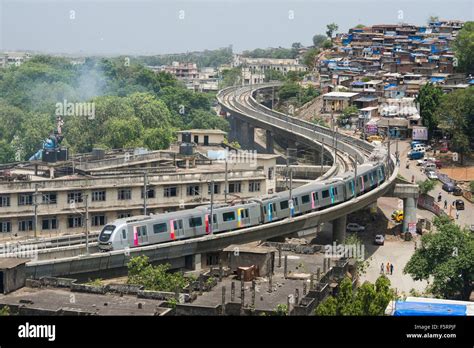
(53, 299)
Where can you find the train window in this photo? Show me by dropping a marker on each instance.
(274, 207)
(315, 196)
(244, 213)
(160, 228)
(195, 222)
(124, 234)
(229, 216)
(141, 231)
(265, 209)
(366, 178)
(325, 194)
(295, 199)
(305, 199)
(335, 190)
(283, 205)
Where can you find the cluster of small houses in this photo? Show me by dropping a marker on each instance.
(380, 70)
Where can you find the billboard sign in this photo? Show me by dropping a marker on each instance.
(420, 133)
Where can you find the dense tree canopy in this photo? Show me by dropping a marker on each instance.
(132, 105)
(464, 48)
(368, 299)
(428, 100)
(448, 257)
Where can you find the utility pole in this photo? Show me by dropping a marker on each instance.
(35, 202)
(273, 95)
(212, 205)
(145, 192)
(322, 155)
(87, 224)
(226, 184)
(388, 147)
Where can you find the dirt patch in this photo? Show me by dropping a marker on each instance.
(459, 173)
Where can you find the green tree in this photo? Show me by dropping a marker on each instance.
(360, 26)
(456, 116)
(7, 152)
(309, 58)
(274, 75)
(4, 311)
(124, 133)
(448, 257)
(368, 299)
(331, 29)
(318, 40)
(426, 186)
(327, 44)
(156, 278)
(158, 138)
(429, 99)
(464, 48)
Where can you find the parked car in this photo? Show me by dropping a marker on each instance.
(429, 166)
(452, 188)
(415, 142)
(414, 155)
(353, 227)
(459, 204)
(431, 175)
(374, 138)
(379, 240)
(425, 160)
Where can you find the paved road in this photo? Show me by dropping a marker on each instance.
(466, 217)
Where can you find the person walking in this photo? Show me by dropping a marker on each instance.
(457, 214)
(388, 267)
(445, 204)
(391, 268)
(381, 268)
(439, 197)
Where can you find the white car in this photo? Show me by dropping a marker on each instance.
(353, 227)
(379, 239)
(421, 162)
(432, 175)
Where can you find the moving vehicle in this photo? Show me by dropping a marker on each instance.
(374, 138)
(459, 204)
(419, 147)
(414, 155)
(452, 188)
(397, 216)
(429, 166)
(416, 142)
(379, 239)
(425, 160)
(431, 175)
(185, 224)
(353, 227)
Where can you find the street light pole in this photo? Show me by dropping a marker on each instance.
(87, 224)
(212, 206)
(35, 202)
(145, 192)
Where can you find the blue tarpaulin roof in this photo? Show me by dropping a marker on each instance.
(403, 308)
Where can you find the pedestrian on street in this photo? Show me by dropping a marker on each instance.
(445, 204)
(457, 214)
(388, 267)
(391, 269)
(439, 197)
(381, 268)
(412, 178)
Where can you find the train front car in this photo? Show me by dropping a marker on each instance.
(107, 240)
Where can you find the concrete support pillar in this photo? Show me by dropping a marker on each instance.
(233, 134)
(409, 212)
(339, 230)
(197, 262)
(269, 142)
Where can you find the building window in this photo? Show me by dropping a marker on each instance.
(74, 221)
(98, 220)
(217, 189)
(5, 226)
(74, 197)
(98, 196)
(150, 193)
(124, 194)
(4, 200)
(235, 187)
(25, 199)
(124, 215)
(170, 191)
(49, 223)
(270, 173)
(254, 186)
(192, 190)
(50, 198)
(25, 225)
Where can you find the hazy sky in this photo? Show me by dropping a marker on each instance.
(166, 26)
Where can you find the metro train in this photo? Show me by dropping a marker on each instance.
(145, 230)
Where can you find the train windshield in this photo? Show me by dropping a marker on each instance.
(106, 233)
